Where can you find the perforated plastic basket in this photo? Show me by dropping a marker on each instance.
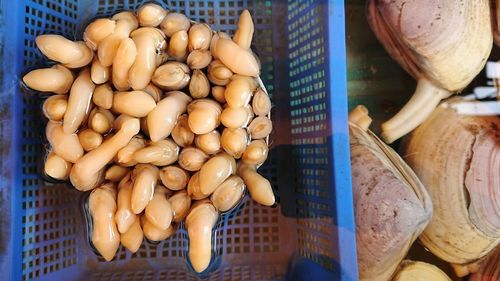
(309, 237)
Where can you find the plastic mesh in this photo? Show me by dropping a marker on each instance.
(49, 231)
(254, 243)
(310, 129)
(262, 273)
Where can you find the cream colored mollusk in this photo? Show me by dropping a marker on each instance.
(391, 205)
(441, 43)
(458, 160)
(419, 271)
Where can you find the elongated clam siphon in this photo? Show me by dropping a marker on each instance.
(151, 112)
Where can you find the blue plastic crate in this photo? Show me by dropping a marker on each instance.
(309, 237)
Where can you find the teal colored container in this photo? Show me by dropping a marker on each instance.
(310, 236)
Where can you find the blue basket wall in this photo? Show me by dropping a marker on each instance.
(309, 237)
